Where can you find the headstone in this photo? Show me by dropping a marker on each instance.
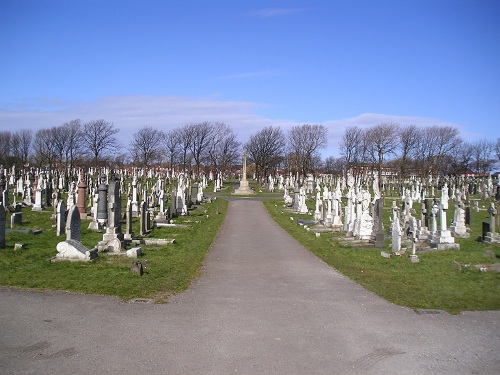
(102, 202)
(128, 222)
(144, 210)
(486, 229)
(17, 216)
(467, 216)
(82, 186)
(75, 250)
(2, 226)
(60, 218)
(73, 224)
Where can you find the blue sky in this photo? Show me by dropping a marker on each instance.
(251, 64)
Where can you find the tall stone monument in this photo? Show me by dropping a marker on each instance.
(244, 188)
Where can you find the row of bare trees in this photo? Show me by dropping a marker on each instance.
(407, 149)
(73, 143)
(297, 151)
(59, 146)
(430, 150)
(195, 145)
(15, 147)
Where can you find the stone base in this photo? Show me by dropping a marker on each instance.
(459, 232)
(244, 189)
(414, 258)
(302, 209)
(95, 226)
(443, 237)
(446, 246)
(492, 238)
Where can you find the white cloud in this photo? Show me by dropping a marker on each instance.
(130, 113)
(336, 128)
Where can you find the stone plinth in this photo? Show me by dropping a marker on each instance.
(443, 240)
(244, 189)
(491, 238)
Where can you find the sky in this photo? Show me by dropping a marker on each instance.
(251, 64)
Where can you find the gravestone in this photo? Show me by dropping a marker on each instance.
(102, 202)
(82, 187)
(486, 229)
(129, 234)
(3, 183)
(467, 216)
(378, 224)
(61, 218)
(73, 222)
(17, 216)
(75, 250)
(2, 226)
(491, 235)
(144, 210)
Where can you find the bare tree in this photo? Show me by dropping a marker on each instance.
(25, 138)
(171, 141)
(497, 148)
(5, 138)
(45, 147)
(73, 148)
(266, 149)
(383, 140)
(462, 158)
(334, 165)
(482, 155)
(352, 146)
(20, 145)
(201, 138)
(224, 149)
(186, 135)
(98, 137)
(146, 146)
(409, 137)
(305, 141)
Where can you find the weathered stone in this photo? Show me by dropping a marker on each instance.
(75, 250)
(134, 252)
(137, 268)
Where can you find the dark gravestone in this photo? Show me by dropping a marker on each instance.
(428, 209)
(497, 195)
(486, 229)
(102, 203)
(2, 226)
(467, 216)
(194, 193)
(173, 201)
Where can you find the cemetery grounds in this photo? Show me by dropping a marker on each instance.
(433, 283)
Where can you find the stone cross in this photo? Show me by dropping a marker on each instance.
(493, 213)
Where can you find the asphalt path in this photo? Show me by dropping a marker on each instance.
(263, 304)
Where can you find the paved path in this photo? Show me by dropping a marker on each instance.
(263, 305)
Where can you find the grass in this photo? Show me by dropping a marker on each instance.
(432, 283)
(171, 267)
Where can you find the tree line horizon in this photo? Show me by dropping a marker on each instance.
(213, 146)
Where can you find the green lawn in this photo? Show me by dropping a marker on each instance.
(432, 283)
(171, 267)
